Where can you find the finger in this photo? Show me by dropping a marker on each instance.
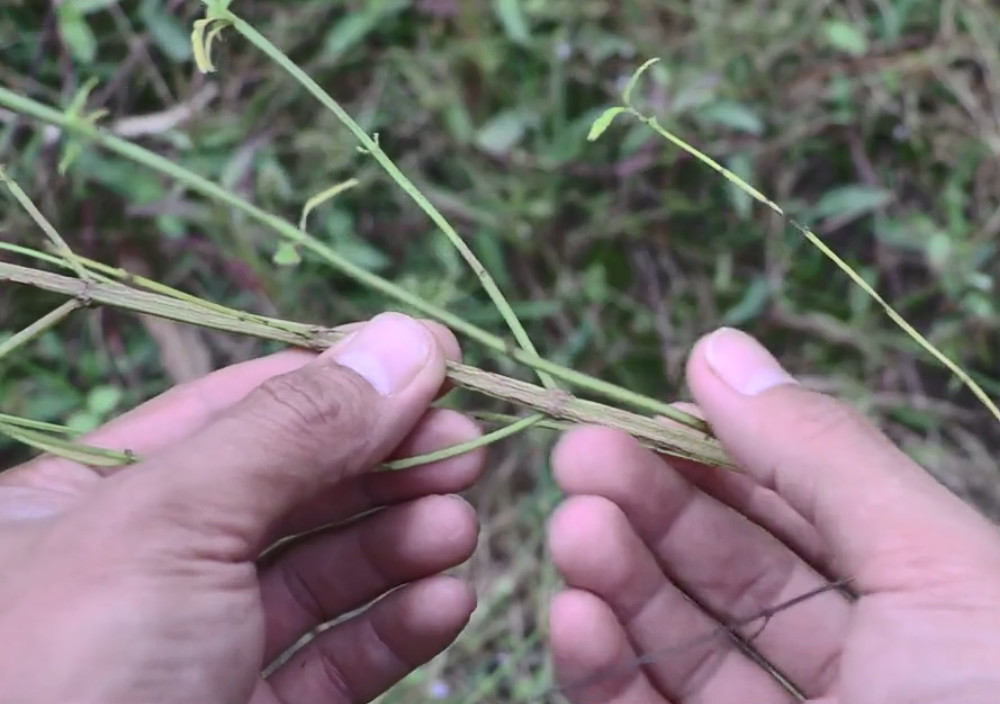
(177, 413)
(295, 437)
(436, 430)
(596, 550)
(186, 408)
(732, 567)
(308, 584)
(759, 504)
(358, 660)
(883, 517)
(594, 661)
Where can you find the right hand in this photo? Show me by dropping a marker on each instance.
(824, 495)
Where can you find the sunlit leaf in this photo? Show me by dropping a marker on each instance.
(604, 121)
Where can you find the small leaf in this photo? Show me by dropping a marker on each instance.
(503, 132)
(287, 254)
(732, 115)
(848, 202)
(103, 399)
(630, 86)
(604, 121)
(846, 37)
(750, 306)
(320, 198)
(512, 18)
(76, 34)
(85, 7)
(165, 30)
(206, 31)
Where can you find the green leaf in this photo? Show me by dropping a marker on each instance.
(323, 196)
(504, 131)
(732, 115)
(85, 7)
(356, 26)
(76, 34)
(511, 16)
(103, 399)
(849, 202)
(287, 254)
(750, 306)
(604, 121)
(846, 37)
(741, 164)
(630, 86)
(166, 31)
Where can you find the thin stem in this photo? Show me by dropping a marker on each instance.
(825, 249)
(290, 232)
(373, 148)
(77, 452)
(57, 241)
(42, 426)
(40, 326)
(676, 441)
(507, 431)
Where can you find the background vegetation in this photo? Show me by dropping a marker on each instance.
(877, 121)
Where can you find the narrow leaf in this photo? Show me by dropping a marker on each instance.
(323, 196)
(604, 121)
(630, 86)
(287, 255)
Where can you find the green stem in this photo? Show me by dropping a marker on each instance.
(57, 241)
(373, 148)
(290, 232)
(40, 326)
(42, 426)
(679, 442)
(507, 431)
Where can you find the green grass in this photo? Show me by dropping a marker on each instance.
(876, 123)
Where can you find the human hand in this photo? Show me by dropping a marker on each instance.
(823, 495)
(144, 585)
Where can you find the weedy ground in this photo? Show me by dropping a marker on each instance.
(878, 122)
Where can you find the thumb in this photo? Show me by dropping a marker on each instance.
(293, 437)
(885, 520)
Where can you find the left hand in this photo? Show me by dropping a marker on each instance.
(147, 585)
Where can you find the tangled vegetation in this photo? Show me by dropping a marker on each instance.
(878, 124)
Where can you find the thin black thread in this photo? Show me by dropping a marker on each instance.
(726, 629)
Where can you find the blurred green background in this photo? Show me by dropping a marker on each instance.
(875, 121)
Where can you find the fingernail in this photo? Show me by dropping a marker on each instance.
(388, 352)
(742, 363)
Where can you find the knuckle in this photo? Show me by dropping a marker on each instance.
(313, 409)
(826, 417)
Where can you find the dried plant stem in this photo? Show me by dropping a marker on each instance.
(667, 439)
(292, 233)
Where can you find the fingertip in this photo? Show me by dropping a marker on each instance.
(587, 449)
(586, 638)
(583, 535)
(439, 605)
(445, 338)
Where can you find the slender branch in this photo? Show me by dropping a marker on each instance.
(675, 441)
(291, 233)
(40, 326)
(57, 241)
(372, 147)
